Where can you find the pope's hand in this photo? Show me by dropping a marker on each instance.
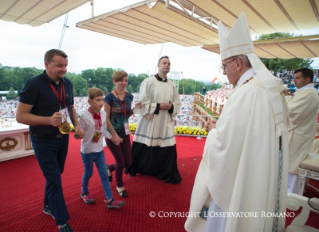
(211, 124)
(138, 106)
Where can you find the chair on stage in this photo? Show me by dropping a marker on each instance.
(315, 146)
(294, 202)
(309, 168)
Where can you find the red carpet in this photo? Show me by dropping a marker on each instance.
(22, 186)
(22, 194)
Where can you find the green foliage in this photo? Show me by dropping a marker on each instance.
(191, 86)
(84, 92)
(103, 88)
(135, 81)
(16, 78)
(137, 89)
(280, 64)
(79, 83)
(215, 86)
(275, 35)
(216, 116)
(11, 95)
(129, 89)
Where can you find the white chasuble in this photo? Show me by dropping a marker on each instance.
(157, 129)
(303, 113)
(240, 167)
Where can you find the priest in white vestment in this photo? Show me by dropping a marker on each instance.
(303, 113)
(243, 173)
(154, 147)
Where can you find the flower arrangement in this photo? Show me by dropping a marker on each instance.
(186, 130)
(190, 130)
(132, 127)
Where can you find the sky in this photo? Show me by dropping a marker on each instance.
(24, 46)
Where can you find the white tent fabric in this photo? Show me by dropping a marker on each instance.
(36, 12)
(286, 48)
(193, 22)
(154, 24)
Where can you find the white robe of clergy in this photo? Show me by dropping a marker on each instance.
(303, 114)
(157, 129)
(315, 145)
(240, 168)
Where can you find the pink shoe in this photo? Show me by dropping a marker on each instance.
(115, 204)
(87, 198)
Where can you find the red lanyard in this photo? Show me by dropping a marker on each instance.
(60, 97)
(124, 108)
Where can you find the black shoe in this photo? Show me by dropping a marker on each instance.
(47, 210)
(122, 193)
(66, 228)
(126, 171)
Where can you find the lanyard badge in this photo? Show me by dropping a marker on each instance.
(96, 137)
(126, 127)
(65, 126)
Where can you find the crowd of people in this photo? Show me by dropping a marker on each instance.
(219, 95)
(8, 108)
(184, 117)
(287, 77)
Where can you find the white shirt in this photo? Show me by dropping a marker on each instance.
(88, 125)
(309, 86)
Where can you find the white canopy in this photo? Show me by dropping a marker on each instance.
(36, 12)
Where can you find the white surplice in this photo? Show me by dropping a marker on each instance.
(239, 170)
(303, 113)
(157, 129)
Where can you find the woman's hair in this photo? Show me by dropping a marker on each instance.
(94, 92)
(119, 75)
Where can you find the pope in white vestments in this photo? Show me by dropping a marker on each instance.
(242, 176)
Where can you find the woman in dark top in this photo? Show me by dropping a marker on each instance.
(118, 106)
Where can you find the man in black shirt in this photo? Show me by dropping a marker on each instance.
(40, 104)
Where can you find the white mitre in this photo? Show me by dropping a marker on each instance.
(238, 41)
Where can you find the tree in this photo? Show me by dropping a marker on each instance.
(109, 81)
(129, 89)
(79, 83)
(142, 76)
(214, 86)
(280, 64)
(137, 89)
(132, 80)
(4, 79)
(88, 74)
(84, 92)
(103, 88)
(11, 95)
(191, 86)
